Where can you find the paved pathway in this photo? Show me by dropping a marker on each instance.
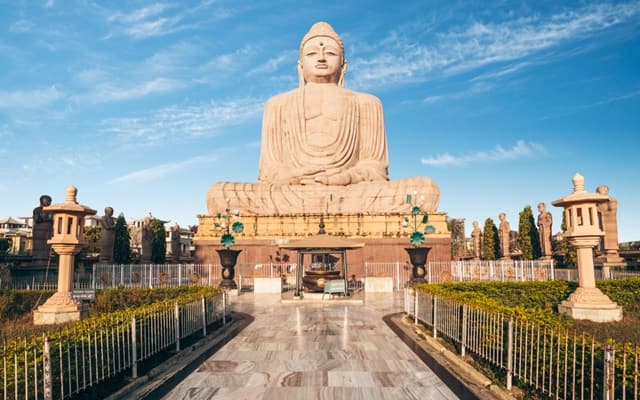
(314, 351)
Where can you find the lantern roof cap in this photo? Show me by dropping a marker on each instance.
(70, 204)
(579, 194)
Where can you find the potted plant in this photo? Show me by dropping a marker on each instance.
(229, 223)
(417, 253)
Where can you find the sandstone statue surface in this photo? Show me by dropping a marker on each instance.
(146, 240)
(608, 213)
(504, 230)
(175, 243)
(323, 147)
(476, 234)
(545, 221)
(107, 235)
(42, 230)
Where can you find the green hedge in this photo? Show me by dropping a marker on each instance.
(16, 305)
(535, 300)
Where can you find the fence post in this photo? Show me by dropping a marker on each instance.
(463, 335)
(224, 307)
(415, 308)
(510, 353)
(398, 283)
(435, 316)
(179, 274)
(553, 274)
(93, 277)
(46, 369)
(150, 277)
(204, 317)
(134, 350)
(429, 272)
(609, 373)
(176, 322)
(210, 272)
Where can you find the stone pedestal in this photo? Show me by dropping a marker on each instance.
(590, 304)
(67, 241)
(267, 285)
(60, 309)
(584, 233)
(375, 284)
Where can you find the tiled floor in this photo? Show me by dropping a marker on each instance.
(314, 351)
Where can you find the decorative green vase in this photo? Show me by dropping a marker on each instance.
(418, 258)
(228, 259)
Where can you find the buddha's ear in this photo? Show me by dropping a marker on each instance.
(343, 72)
(300, 75)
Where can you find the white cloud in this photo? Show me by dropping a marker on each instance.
(474, 89)
(148, 174)
(146, 22)
(21, 26)
(183, 122)
(106, 93)
(28, 98)
(602, 102)
(273, 64)
(521, 149)
(49, 3)
(400, 59)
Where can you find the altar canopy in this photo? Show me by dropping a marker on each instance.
(321, 245)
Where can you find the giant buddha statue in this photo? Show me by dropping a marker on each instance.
(323, 148)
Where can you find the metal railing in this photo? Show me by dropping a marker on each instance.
(464, 271)
(553, 361)
(154, 275)
(104, 276)
(63, 363)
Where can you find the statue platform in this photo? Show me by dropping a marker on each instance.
(384, 237)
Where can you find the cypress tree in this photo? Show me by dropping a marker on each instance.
(528, 236)
(490, 245)
(122, 242)
(159, 243)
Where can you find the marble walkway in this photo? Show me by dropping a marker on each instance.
(314, 351)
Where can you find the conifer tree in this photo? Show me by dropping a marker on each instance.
(92, 236)
(528, 237)
(122, 242)
(159, 243)
(490, 245)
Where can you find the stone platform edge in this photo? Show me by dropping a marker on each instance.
(160, 380)
(464, 380)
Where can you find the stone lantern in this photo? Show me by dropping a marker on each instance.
(67, 240)
(584, 233)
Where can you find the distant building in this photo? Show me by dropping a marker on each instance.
(186, 242)
(19, 233)
(186, 238)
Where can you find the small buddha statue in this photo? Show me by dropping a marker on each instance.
(323, 147)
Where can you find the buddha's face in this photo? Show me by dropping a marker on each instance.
(321, 60)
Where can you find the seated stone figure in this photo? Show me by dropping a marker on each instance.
(323, 147)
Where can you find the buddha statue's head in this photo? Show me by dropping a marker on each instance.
(321, 58)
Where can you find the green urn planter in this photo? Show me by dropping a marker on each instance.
(418, 258)
(228, 259)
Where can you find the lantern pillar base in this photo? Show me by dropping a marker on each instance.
(60, 309)
(590, 304)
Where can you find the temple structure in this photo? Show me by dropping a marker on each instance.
(323, 154)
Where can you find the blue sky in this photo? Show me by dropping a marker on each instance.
(143, 106)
